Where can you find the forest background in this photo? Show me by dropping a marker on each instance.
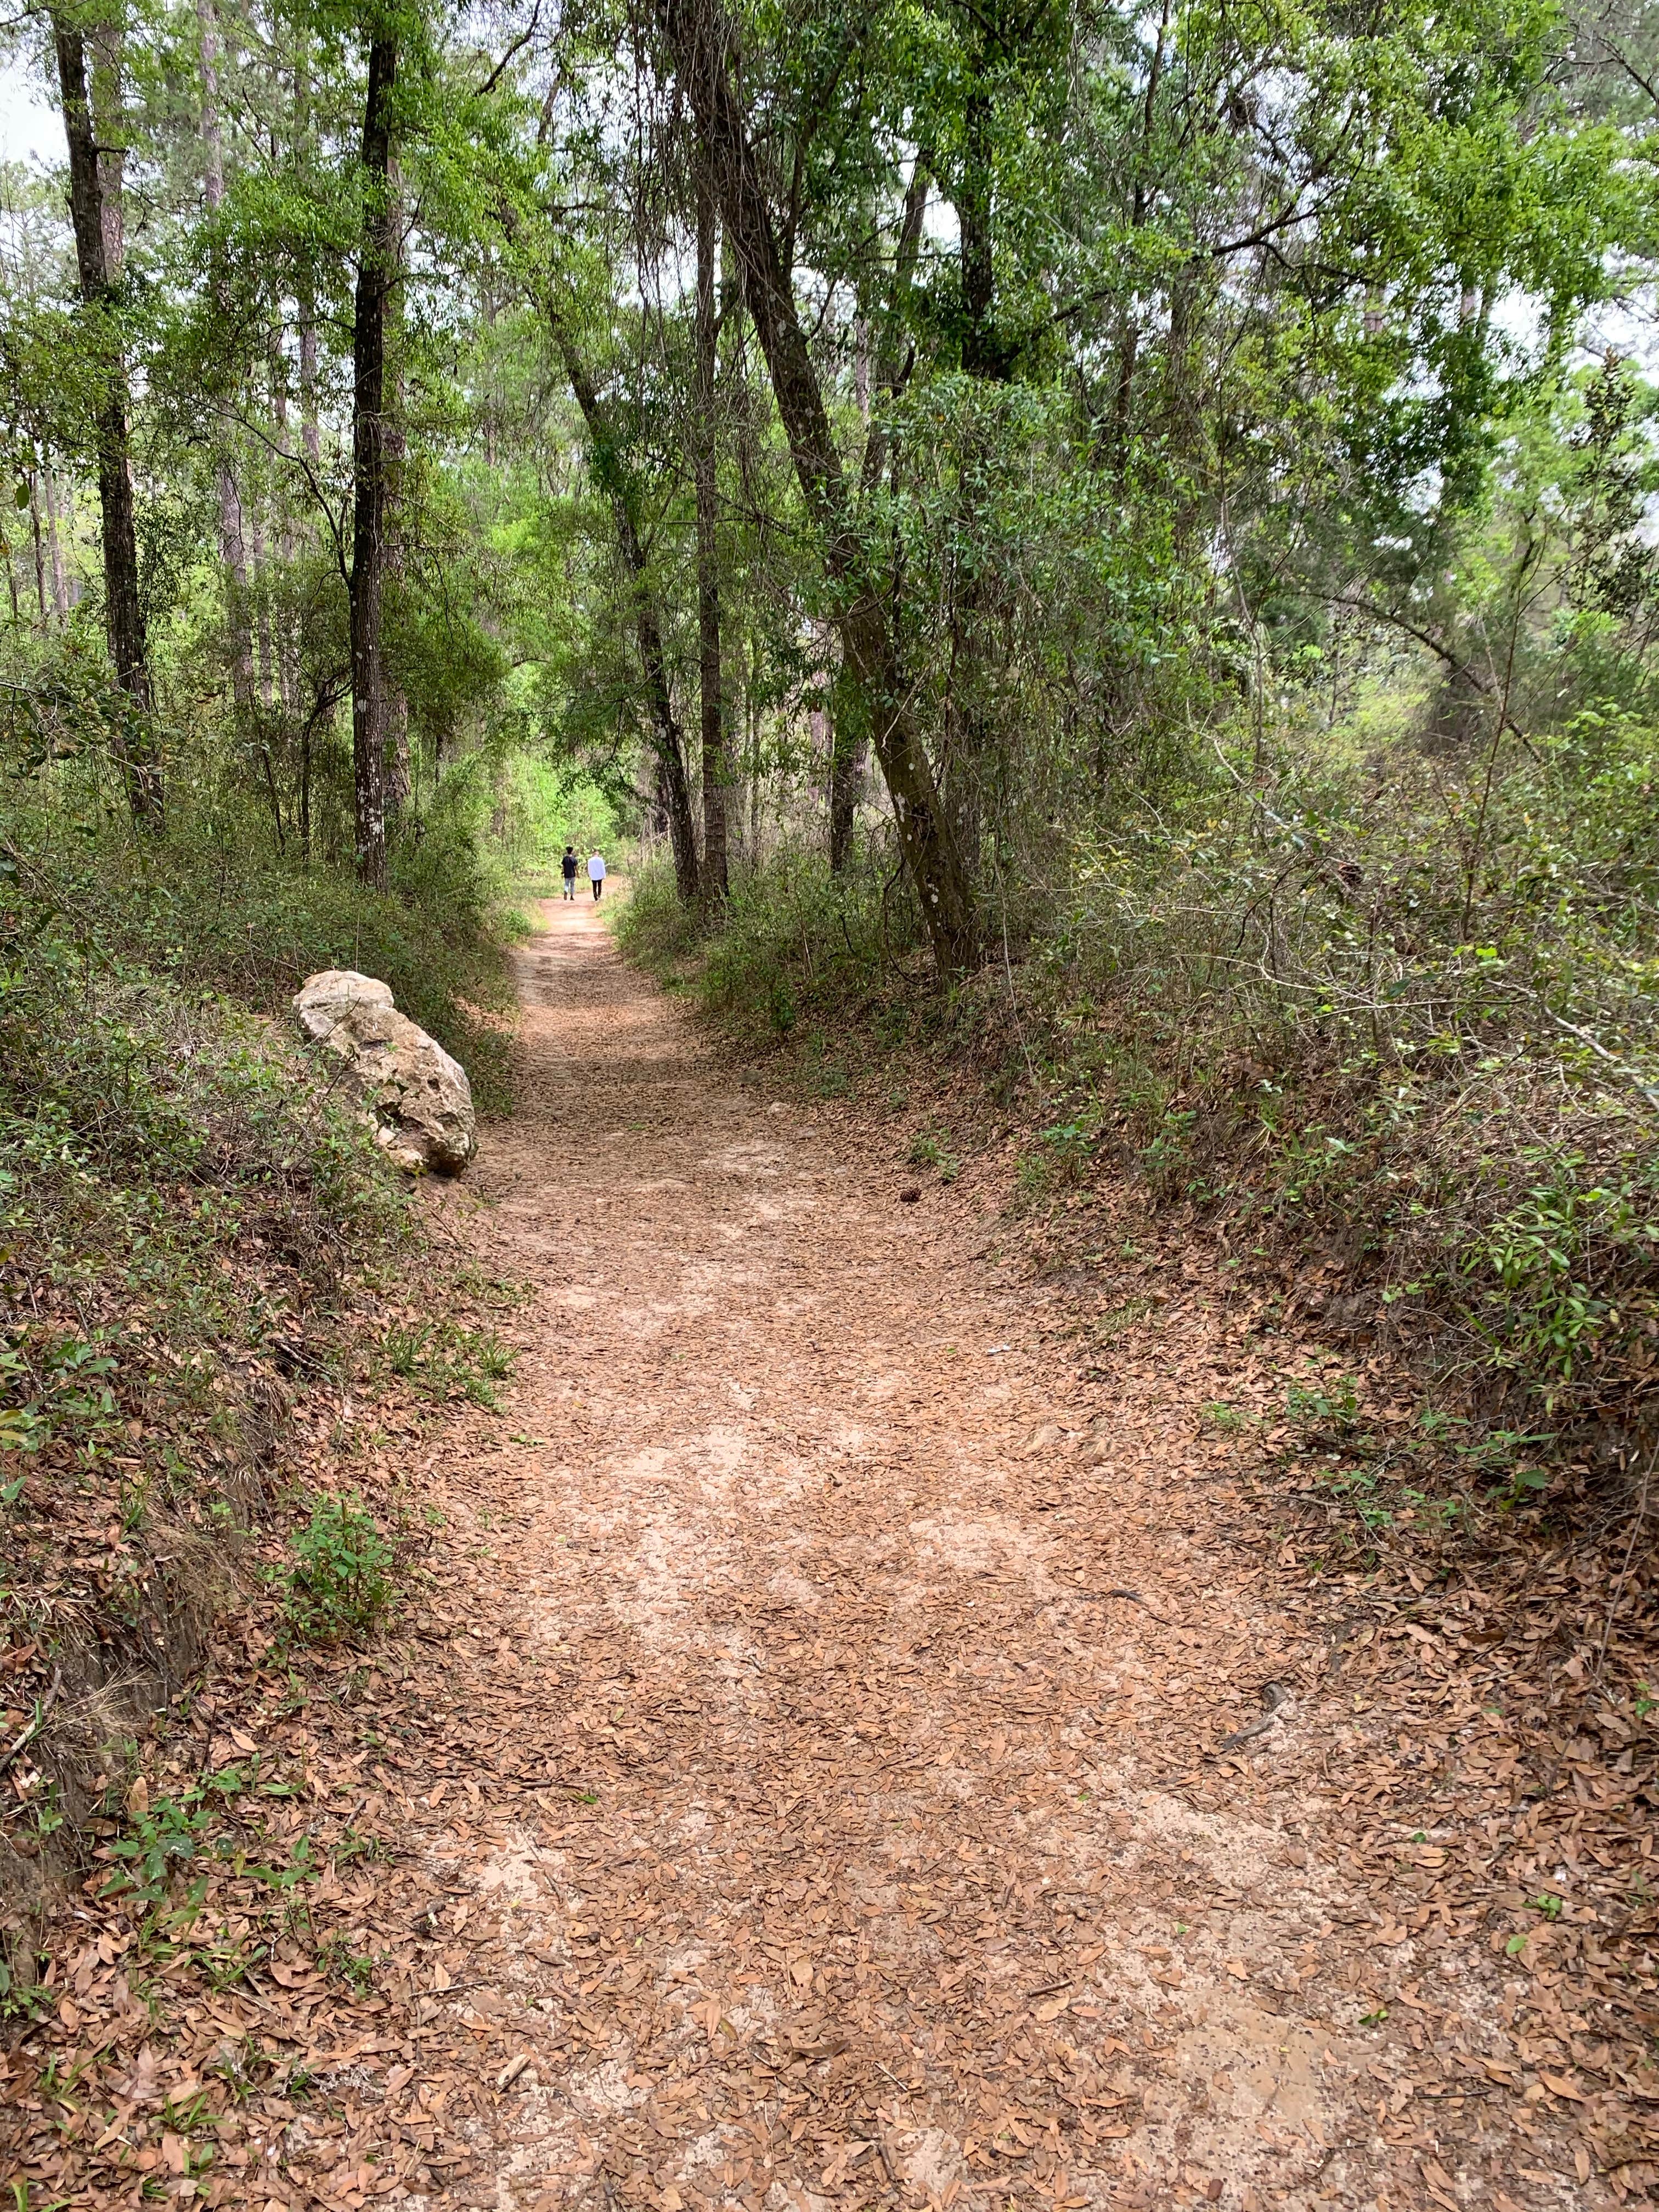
(1113, 544)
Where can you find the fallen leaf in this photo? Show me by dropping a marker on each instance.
(1558, 2086)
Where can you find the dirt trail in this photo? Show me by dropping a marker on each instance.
(812, 1826)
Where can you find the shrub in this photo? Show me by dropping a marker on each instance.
(340, 1583)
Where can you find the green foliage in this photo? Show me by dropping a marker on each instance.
(930, 1152)
(352, 1969)
(1325, 1413)
(211, 908)
(341, 1581)
(166, 1833)
(443, 1360)
(165, 1837)
(177, 1195)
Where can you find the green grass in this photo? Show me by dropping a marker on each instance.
(443, 1360)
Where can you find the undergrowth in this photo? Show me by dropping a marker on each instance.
(195, 1240)
(1387, 1032)
(203, 909)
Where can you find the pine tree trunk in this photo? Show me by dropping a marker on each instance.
(846, 767)
(714, 777)
(397, 448)
(39, 548)
(368, 715)
(94, 178)
(262, 611)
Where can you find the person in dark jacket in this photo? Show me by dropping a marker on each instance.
(568, 867)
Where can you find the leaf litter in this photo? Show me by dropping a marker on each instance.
(824, 1767)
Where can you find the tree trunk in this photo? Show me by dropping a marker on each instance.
(982, 354)
(262, 613)
(368, 715)
(846, 768)
(665, 739)
(11, 581)
(969, 754)
(699, 40)
(60, 599)
(94, 178)
(233, 552)
(714, 778)
(396, 451)
(39, 549)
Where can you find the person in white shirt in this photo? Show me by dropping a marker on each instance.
(596, 873)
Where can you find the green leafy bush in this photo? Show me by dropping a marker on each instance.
(341, 1581)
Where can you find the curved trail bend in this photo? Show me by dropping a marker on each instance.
(813, 1821)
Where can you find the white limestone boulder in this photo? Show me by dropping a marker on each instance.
(417, 1098)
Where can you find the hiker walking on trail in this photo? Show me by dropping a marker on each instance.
(569, 866)
(596, 873)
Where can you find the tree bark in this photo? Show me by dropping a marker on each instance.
(40, 551)
(94, 179)
(233, 552)
(849, 735)
(305, 302)
(374, 277)
(398, 782)
(60, 598)
(698, 38)
(982, 354)
(846, 770)
(703, 458)
(614, 482)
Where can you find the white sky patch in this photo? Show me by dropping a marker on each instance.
(31, 129)
(1627, 326)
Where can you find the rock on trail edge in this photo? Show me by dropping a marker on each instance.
(807, 1816)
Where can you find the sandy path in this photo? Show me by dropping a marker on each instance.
(803, 1825)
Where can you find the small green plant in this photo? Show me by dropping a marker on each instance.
(20, 2000)
(1325, 1413)
(354, 1845)
(339, 1960)
(165, 1837)
(1033, 1180)
(444, 1361)
(1118, 1321)
(1069, 1145)
(1218, 1415)
(1546, 1902)
(929, 1152)
(340, 1583)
